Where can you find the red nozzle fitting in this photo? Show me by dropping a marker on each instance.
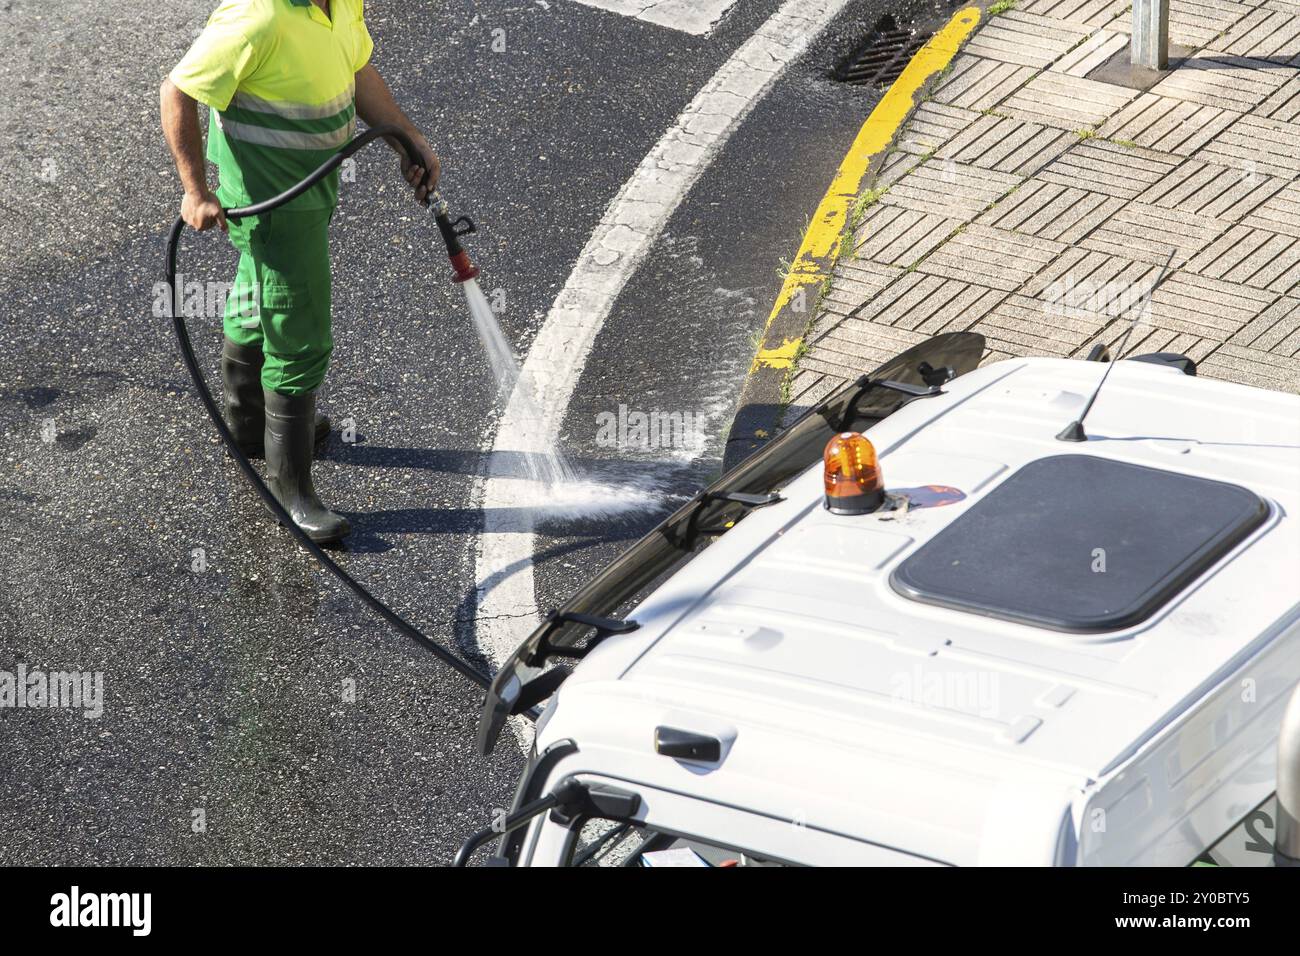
(462, 270)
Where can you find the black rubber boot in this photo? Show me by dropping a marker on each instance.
(289, 440)
(241, 375)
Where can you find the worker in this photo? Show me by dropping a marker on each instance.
(284, 81)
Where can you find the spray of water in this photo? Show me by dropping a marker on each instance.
(564, 495)
(542, 461)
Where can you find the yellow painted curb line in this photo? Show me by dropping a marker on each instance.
(821, 242)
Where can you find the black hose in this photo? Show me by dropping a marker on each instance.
(191, 362)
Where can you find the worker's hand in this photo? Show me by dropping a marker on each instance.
(202, 211)
(423, 173)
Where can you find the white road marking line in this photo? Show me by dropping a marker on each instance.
(507, 602)
(689, 16)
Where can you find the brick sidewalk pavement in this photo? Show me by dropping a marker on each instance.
(1034, 203)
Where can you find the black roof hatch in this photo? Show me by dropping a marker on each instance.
(1080, 543)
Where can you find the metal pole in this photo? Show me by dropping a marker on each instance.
(1150, 34)
(1287, 835)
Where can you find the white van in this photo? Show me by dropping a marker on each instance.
(1042, 644)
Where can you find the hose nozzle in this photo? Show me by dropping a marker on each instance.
(462, 268)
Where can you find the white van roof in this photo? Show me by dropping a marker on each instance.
(926, 728)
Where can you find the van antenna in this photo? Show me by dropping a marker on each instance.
(1074, 431)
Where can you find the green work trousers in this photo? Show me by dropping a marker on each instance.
(280, 301)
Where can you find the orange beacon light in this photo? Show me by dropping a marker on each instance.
(854, 484)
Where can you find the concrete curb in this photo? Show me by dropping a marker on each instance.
(761, 402)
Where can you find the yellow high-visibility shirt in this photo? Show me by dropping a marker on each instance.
(279, 77)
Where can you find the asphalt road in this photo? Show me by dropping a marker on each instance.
(253, 713)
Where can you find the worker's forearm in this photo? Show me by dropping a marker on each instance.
(180, 121)
(376, 106)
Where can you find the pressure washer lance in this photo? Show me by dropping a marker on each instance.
(462, 270)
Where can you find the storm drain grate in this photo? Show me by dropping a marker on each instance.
(883, 56)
